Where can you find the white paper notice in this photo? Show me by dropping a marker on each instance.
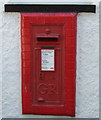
(47, 60)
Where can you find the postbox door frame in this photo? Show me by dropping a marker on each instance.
(69, 20)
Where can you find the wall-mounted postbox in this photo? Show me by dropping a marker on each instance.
(48, 63)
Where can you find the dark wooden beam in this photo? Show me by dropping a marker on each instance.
(49, 8)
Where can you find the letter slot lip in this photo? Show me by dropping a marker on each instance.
(47, 35)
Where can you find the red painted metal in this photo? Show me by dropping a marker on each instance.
(48, 92)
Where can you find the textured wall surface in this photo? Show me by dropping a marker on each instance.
(88, 66)
(61, 1)
(87, 93)
(0, 61)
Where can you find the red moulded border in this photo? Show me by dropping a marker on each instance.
(70, 21)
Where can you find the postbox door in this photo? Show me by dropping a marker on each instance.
(47, 63)
(48, 83)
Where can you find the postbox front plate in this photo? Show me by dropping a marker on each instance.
(48, 63)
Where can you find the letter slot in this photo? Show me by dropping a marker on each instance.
(47, 38)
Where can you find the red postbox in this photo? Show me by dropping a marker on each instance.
(48, 63)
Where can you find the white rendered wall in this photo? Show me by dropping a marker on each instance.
(87, 82)
(0, 61)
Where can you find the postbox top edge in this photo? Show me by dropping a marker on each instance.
(49, 14)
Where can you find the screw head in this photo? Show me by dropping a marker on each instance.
(47, 31)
